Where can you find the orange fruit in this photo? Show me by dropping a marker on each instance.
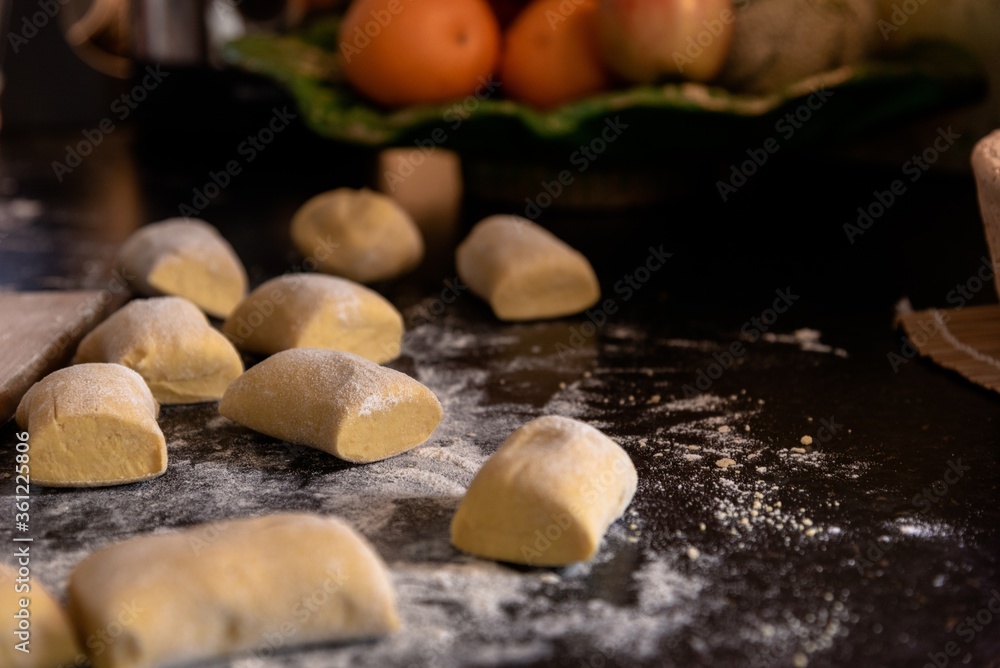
(400, 52)
(551, 55)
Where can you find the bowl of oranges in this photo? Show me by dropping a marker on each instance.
(539, 79)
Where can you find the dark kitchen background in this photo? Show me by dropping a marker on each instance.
(792, 226)
(783, 221)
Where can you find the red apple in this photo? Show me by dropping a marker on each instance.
(644, 40)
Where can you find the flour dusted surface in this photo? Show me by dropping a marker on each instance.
(759, 529)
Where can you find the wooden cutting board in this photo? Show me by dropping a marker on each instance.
(40, 332)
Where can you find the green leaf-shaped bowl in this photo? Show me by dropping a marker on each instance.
(674, 117)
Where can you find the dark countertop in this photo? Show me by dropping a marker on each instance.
(865, 548)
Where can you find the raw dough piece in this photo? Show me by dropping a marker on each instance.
(92, 425)
(524, 271)
(316, 311)
(187, 258)
(235, 586)
(169, 342)
(546, 496)
(359, 234)
(334, 401)
(51, 641)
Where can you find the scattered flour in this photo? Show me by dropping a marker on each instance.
(660, 582)
(806, 339)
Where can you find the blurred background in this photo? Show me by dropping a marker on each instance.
(64, 68)
(70, 65)
(118, 113)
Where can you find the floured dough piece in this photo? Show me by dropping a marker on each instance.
(230, 587)
(92, 425)
(524, 271)
(316, 311)
(170, 343)
(546, 496)
(186, 258)
(334, 401)
(41, 625)
(359, 234)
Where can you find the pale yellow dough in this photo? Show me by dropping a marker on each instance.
(171, 344)
(546, 496)
(186, 258)
(359, 234)
(237, 586)
(92, 425)
(51, 641)
(334, 401)
(316, 311)
(524, 271)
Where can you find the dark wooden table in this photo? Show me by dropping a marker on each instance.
(875, 545)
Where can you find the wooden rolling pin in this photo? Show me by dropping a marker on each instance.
(967, 339)
(40, 333)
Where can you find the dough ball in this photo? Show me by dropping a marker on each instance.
(230, 587)
(92, 425)
(170, 343)
(186, 258)
(316, 311)
(524, 271)
(547, 495)
(359, 234)
(334, 401)
(50, 641)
